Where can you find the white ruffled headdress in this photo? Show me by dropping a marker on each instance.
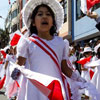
(53, 4)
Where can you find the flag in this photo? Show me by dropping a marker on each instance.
(1, 62)
(52, 91)
(88, 4)
(3, 53)
(56, 93)
(91, 3)
(2, 81)
(84, 61)
(15, 39)
(49, 86)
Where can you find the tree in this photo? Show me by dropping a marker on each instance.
(4, 38)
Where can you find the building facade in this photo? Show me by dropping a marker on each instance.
(65, 32)
(77, 26)
(66, 29)
(83, 27)
(12, 20)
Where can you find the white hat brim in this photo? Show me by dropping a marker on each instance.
(88, 51)
(53, 4)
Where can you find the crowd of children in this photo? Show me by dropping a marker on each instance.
(43, 66)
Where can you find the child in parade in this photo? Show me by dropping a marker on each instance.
(43, 19)
(76, 95)
(96, 77)
(72, 57)
(2, 62)
(11, 57)
(1, 66)
(87, 53)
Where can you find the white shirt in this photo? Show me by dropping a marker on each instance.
(40, 62)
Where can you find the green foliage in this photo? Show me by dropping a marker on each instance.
(4, 38)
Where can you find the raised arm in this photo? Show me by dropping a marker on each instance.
(69, 73)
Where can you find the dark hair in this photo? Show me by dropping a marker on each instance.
(86, 53)
(33, 28)
(7, 51)
(98, 53)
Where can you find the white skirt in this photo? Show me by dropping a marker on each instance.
(96, 80)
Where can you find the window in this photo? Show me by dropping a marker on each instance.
(18, 9)
(79, 13)
(23, 24)
(18, 26)
(14, 14)
(14, 28)
(8, 20)
(8, 27)
(9, 17)
(64, 4)
(23, 2)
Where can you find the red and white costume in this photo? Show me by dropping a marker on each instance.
(2, 70)
(39, 61)
(96, 77)
(85, 74)
(9, 58)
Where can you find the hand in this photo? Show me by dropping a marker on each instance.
(92, 15)
(15, 74)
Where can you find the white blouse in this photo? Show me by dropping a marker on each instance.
(39, 61)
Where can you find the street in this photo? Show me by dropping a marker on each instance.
(2, 96)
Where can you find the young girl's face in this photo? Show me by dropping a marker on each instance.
(43, 20)
(87, 54)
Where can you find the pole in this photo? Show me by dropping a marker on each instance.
(72, 10)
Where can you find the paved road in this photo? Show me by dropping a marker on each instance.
(2, 96)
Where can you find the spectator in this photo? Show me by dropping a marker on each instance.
(96, 17)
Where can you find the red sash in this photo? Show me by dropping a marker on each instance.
(33, 39)
(1, 62)
(2, 81)
(45, 50)
(91, 72)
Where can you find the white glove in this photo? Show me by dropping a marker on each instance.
(77, 77)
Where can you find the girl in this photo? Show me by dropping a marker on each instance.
(96, 77)
(84, 69)
(43, 19)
